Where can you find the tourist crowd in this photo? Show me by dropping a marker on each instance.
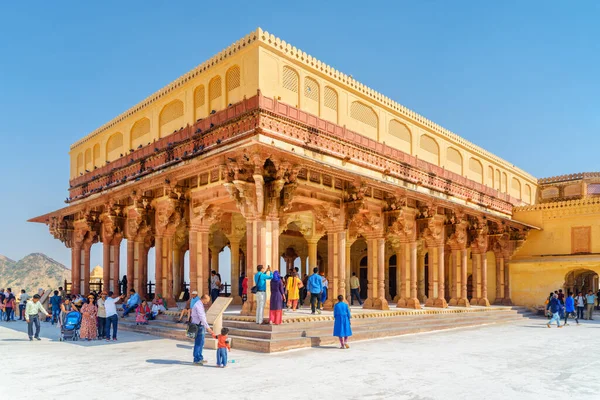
(580, 306)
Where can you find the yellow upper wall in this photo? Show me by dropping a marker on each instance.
(263, 61)
(226, 78)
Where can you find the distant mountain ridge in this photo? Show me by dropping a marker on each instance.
(34, 271)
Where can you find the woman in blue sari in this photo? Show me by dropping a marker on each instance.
(341, 325)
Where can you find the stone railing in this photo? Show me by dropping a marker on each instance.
(569, 177)
(307, 130)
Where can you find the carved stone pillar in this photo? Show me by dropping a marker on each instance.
(234, 246)
(199, 258)
(75, 268)
(87, 246)
(483, 301)
(312, 253)
(176, 268)
(434, 234)
(158, 265)
(387, 278)
(132, 278)
(413, 301)
(115, 261)
(336, 249)
(421, 275)
(214, 258)
(376, 273)
(400, 279)
(499, 279)
(106, 249)
(507, 295)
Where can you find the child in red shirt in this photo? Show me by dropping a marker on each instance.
(222, 347)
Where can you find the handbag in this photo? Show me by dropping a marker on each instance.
(254, 289)
(192, 331)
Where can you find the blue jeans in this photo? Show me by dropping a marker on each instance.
(199, 345)
(22, 311)
(354, 293)
(127, 309)
(214, 293)
(55, 314)
(555, 317)
(9, 314)
(114, 321)
(222, 356)
(324, 295)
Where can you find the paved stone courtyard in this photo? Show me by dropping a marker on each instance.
(524, 360)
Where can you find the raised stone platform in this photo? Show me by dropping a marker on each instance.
(300, 329)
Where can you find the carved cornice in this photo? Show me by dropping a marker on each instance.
(434, 234)
(560, 209)
(203, 215)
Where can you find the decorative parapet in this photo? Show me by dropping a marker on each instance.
(311, 62)
(569, 177)
(564, 208)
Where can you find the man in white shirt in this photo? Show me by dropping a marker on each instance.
(580, 304)
(215, 286)
(32, 310)
(110, 306)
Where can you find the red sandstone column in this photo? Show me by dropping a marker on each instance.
(252, 241)
(499, 279)
(507, 301)
(413, 301)
(464, 300)
(106, 265)
(234, 246)
(483, 301)
(440, 301)
(86, 267)
(76, 268)
(475, 260)
(456, 275)
(158, 266)
(168, 282)
(130, 262)
(193, 259)
(117, 259)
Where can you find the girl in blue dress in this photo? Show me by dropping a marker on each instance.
(341, 325)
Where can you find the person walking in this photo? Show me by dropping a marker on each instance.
(555, 310)
(222, 347)
(65, 308)
(277, 299)
(341, 324)
(325, 284)
(590, 300)
(355, 289)
(89, 312)
(260, 280)
(304, 290)
(215, 286)
(244, 288)
(199, 318)
(112, 318)
(580, 304)
(293, 285)
(9, 305)
(55, 302)
(570, 308)
(32, 311)
(101, 315)
(132, 303)
(315, 287)
(22, 304)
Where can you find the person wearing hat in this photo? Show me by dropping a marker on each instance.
(101, 315)
(32, 310)
(188, 307)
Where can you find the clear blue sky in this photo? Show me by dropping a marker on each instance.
(518, 78)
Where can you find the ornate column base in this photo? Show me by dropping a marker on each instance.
(484, 302)
(440, 303)
(396, 298)
(429, 301)
(376, 304)
(507, 302)
(237, 300)
(249, 308)
(453, 301)
(388, 297)
(328, 305)
(409, 303)
(463, 303)
(499, 301)
(171, 302)
(402, 302)
(474, 301)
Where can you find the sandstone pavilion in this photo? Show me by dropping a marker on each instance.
(278, 156)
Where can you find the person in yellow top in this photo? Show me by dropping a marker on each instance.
(32, 310)
(293, 286)
(355, 289)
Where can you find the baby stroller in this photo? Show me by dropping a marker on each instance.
(70, 327)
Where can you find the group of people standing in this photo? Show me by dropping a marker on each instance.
(558, 306)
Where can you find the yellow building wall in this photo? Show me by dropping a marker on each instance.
(183, 105)
(284, 77)
(532, 277)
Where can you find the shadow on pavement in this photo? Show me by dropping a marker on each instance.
(184, 346)
(169, 362)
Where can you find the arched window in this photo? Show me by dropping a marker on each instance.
(430, 150)
(96, 156)
(475, 170)
(232, 84)
(88, 160)
(140, 133)
(291, 83)
(114, 146)
(199, 102)
(454, 161)
(330, 101)
(214, 94)
(515, 187)
(171, 118)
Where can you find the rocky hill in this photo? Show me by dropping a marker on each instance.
(32, 272)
